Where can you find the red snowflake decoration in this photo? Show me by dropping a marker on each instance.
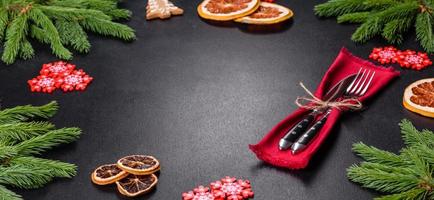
(413, 60)
(232, 189)
(77, 80)
(59, 75)
(56, 69)
(42, 83)
(200, 193)
(385, 55)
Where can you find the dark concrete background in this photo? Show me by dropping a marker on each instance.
(195, 95)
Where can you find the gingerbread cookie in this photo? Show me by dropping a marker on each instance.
(162, 9)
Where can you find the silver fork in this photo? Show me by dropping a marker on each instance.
(357, 88)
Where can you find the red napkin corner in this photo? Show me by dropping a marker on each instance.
(345, 64)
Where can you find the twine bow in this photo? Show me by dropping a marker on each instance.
(315, 103)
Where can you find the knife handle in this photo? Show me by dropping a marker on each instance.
(296, 131)
(307, 137)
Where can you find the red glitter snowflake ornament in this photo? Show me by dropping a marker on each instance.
(232, 189)
(385, 55)
(42, 83)
(200, 193)
(413, 60)
(77, 80)
(57, 69)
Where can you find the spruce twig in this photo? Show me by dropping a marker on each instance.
(59, 23)
(21, 140)
(408, 176)
(387, 18)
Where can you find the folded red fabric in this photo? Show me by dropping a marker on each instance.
(345, 64)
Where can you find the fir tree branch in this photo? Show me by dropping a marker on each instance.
(24, 113)
(70, 14)
(4, 18)
(45, 23)
(340, 7)
(72, 34)
(357, 17)
(14, 35)
(6, 194)
(56, 168)
(24, 177)
(412, 136)
(375, 155)
(39, 34)
(393, 30)
(26, 50)
(41, 143)
(424, 31)
(375, 24)
(413, 194)
(382, 181)
(24, 130)
(108, 28)
(7, 152)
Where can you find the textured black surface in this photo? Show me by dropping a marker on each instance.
(195, 95)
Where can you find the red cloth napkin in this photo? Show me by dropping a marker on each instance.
(344, 65)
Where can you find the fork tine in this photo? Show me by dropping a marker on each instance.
(367, 85)
(352, 83)
(358, 82)
(363, 83)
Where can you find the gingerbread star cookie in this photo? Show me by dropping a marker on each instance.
(162, 9)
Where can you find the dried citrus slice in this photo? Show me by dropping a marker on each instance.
(419, 97)
(267, 13)
(139, 164)
(108, 174)
(225, 10)
(134, 185)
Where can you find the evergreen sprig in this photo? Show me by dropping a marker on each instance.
(387, 18)
(58, 23)
(408, 175)
(22, 139)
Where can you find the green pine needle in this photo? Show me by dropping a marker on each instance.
(6, 194)
(14, 36)
(408, 176)
(24, 113)
(24, 130)
(387, 18)
(57, 168)
(39, 144)
(24, 177)
(58, 23)
(21, 139)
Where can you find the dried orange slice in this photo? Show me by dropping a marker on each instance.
(134, 185)
(419, 97)
(225, 10)
(267, 13)
(107, 174)
(139, 164)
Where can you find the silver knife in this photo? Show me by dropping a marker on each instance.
(295, 132)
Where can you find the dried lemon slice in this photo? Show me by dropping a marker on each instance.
(139, 164)
(267, 13)
(419, 97)
(134, 185)
(225, 10)
(107, 174)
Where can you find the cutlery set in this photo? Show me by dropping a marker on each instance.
(301, 134)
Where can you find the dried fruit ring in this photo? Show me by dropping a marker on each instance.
(225, 10)
(134, 185)
(267, 13)
(108, 174)
(139, 164)
(419, 97)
